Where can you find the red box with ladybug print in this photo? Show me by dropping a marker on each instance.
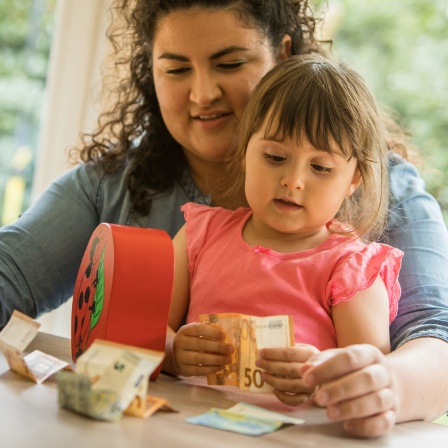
(123, 289)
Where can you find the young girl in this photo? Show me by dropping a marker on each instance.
(312, 161)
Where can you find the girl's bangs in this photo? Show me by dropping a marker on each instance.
(307, 113)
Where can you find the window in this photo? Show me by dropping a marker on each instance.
(26, 29)
(72, 103)
(401, 48)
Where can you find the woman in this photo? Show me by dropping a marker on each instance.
(193, 65)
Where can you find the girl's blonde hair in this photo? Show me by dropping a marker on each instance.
(315, 97)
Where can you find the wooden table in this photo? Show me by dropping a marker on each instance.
(30, 417)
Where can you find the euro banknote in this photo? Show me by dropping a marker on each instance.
(248, 334)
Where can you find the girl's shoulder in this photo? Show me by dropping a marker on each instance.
(212, 215)
(359, 265)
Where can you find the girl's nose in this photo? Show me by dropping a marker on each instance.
(205, 89)
(293, 180)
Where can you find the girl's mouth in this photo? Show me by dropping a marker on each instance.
(286, 204)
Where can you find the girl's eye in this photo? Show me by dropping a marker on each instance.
(231, 65)
(321, 169)
(273, 158)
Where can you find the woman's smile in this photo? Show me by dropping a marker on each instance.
(203, 85)
(211, 120)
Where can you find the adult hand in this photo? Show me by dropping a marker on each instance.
(282, 370)
(357, 386)
(198, 349)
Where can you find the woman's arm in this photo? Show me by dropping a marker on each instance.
(420, 331)
(40, 253)
(416, 227)
(370, 391)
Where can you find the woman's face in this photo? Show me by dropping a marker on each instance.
(206, 64)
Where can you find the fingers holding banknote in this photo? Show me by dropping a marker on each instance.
(199, 349)
(282, 371)
(357, 386)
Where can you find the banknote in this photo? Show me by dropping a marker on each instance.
(110, 379)
(18, 332)
(248, 334)
(228, 421)
(76, 394)
(245, 419)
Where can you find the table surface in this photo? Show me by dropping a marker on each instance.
(31, 417)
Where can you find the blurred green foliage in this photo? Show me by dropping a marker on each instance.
(25, 41)
(401, 47)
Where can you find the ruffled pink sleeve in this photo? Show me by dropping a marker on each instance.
(359, 270)
(197, 219)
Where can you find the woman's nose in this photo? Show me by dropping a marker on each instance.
(205, 89)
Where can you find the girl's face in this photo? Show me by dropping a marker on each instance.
(206, 64)
(295, 189)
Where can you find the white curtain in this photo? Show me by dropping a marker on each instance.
(72, 103)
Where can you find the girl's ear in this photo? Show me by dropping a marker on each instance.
(355, 183)
(285, 48)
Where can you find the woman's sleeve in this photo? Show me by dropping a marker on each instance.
(40, 253)
(416, 227)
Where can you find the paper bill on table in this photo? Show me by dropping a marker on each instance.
(15, 338)
(248, 334)
(98, 357)
(234, 422)
(244, 419)
(43, 365)
(257, 412)
(148, 407)
(118, 378)
(109, 396)
(18, 332)
(442, 420)
(128, 376)
(75, 394)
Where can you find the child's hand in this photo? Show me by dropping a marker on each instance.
(357, 386)
(198, 349)
(282, 371)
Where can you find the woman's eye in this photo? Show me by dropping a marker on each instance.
(177, 71)
(320, 168)
(273, 158)
(231, 65)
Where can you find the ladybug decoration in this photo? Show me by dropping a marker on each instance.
(123, 289)
(88, 299)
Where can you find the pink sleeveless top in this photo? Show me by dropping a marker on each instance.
(228, 275)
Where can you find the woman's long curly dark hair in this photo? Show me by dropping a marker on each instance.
(156, 162)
